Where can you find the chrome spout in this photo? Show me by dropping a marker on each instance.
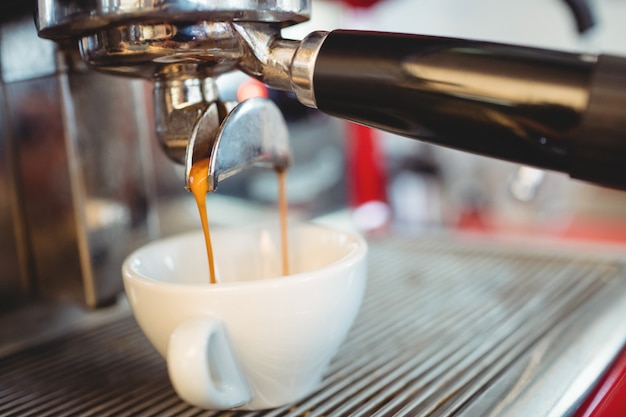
(254, 133)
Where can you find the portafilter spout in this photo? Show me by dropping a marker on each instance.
(254, 133)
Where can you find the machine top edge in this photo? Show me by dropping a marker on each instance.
(58, 19)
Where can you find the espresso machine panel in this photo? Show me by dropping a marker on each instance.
(10, 285)
(75, 172)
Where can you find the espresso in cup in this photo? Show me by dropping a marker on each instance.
(256, 339)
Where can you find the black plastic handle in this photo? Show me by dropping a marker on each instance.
(599, 154)
(520, 104)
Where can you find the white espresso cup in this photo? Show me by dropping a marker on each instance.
(256, 339)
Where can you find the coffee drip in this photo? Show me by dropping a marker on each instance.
(198, 185)
(199, 188)
(283, 208)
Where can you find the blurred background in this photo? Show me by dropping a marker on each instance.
(387, 182)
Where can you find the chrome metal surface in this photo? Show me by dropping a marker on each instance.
(23, 57)
(13, 275)
(447, 328)
(62, 19)
(253, 134)
(148, 50)
(179, 104)
(199, 49)
(268, 56)
(303, 66)
(75, 193)
(183, 60)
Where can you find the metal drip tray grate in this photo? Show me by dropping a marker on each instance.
(445, 329)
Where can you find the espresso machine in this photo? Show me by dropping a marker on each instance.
(553, 110)
(547, 109)
(87, 86)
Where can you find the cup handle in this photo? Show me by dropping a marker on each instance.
(202, 365)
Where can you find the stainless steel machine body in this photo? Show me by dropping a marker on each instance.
(75, 190)
(180, 45)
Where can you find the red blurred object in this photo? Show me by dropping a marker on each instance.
(251, 88)
(473, 219)
(366, 171)
(360, 3)
(608, 399)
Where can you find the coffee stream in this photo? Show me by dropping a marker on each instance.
(199, 187)
(198, 184)
(282, 207)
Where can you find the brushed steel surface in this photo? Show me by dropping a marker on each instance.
(446, 328)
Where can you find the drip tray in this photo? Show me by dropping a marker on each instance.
(446, 328)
